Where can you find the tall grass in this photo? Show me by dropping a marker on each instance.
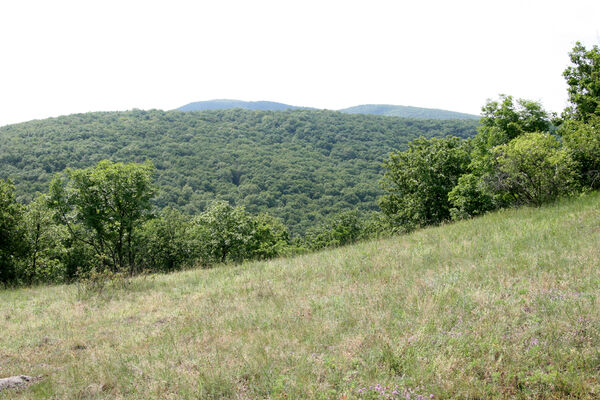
(502, 306)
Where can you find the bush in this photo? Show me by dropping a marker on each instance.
(12, 243)
(418, 181)
(470, 197)
(533, 169)
(45, 261)
(269, 237)
(225, 233)
(583, 141)
(165, 242)
(338, 230)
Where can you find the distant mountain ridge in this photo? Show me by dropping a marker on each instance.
(387, 110)
(407, 112)
(224, 104)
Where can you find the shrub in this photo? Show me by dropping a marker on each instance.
(12, 243)
(418, 181)
(470, 197)
(533, 169)
(165, 242)
(583, 141)
(45, 260)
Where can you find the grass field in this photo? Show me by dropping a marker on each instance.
(503, 306)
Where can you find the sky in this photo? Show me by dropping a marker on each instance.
(63, 57)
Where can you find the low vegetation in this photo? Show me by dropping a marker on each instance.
(501, 306)
(521, 155)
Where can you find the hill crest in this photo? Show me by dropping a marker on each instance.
(388, 110)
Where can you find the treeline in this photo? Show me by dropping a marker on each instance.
(101, 220)
(104, 218)
(521, 155)
(299, 166)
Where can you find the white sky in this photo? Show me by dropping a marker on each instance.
(62, 57)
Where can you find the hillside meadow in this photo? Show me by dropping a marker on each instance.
(505, 305)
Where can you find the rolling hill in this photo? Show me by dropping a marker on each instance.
(374, 109)
(225, 104)
(502, 306)
(299, 165)
(407, 112)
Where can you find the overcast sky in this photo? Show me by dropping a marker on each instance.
(62, 57)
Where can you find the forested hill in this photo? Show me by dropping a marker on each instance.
(224, 104)
(298, 165)
(374, 109)
(407, 112)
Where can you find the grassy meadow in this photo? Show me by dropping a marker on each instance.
(502, 306)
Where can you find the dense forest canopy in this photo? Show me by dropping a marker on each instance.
(299, 165)
(315, 172)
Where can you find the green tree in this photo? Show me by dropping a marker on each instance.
(533, 169)
(166, 241)
(502, 120)
(470, 197)
(583, 140)
(418, 181)
(269, 237)
(12, 236)
(583, 78)
(108, 202)
(222, 233)
(338, 230)
(46, 242)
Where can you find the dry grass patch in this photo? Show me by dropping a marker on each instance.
(502, 306)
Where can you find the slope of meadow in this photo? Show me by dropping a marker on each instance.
(501, 306)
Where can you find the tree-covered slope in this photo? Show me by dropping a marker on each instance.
(407, 112)
(299, 165)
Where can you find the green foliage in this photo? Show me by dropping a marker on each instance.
(502, 121)
(418, 181)
(96, 223)
(226, 233)
(102, 206)
(222, 233)
(583, 141)
(470, 197)
(12, 243)
(298, 166)
(165, 242)
(533, 169)
(46, 244)
(270, 237)
(339, 229)
(583, 78)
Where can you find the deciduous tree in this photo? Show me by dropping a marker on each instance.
(108, 201)
(583, 78)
